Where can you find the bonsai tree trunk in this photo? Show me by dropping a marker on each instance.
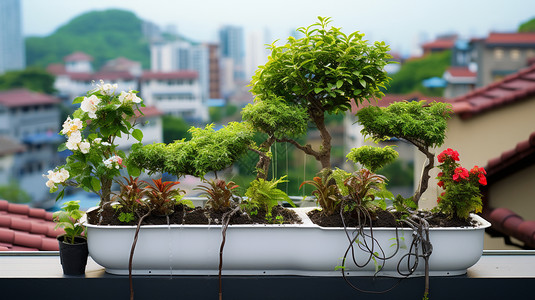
(424, 181)
(263, 160)
(323, 156)
(105, 195)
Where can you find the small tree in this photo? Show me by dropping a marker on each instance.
(278, 120)
(320, 73)
(422, 125)
(208, 150)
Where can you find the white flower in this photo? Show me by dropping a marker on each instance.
(125, 97)
(107, 89)
(105, 144)
(55, 177)
(71, 125)
(75, 137)
(97, 141)
(89, 105)
(113, 162)
(84, 147)
(63, 175)
(71, 145)
(50, 184)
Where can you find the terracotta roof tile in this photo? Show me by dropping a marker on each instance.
(147, 75)
(496, 38)
(150, 111)
(440, 44)
(78, 56)
(23, 228)
(513, 156)
(105, 75)
(24, 97)
(461, 72)
(513, 88)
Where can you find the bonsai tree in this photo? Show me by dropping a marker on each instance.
(421, 124)
(208, 150)
(321, 73)
(277, 120)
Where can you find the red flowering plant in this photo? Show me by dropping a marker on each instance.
(461, 194)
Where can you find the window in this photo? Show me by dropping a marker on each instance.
(515, 54)
(498, 53)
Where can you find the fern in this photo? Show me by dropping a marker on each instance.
(265, 194)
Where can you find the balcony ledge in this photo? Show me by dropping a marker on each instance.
(34, 275)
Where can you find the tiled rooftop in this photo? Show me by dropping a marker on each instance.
(513, 88)
(502, 219)
(78, 56)
(516, 38)
(24, 97)
(23, 228)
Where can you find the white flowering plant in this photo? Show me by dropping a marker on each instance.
(103, 116)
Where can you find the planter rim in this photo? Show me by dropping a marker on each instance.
(301, 211)
(62, 236)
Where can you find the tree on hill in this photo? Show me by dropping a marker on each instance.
(104, 35)
(32, 78)
(528, 26)
(409, 78)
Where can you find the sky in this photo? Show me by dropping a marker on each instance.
(404, 25)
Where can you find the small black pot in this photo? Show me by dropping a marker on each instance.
(73, 256)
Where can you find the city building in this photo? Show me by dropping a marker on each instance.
(183, 55)
(174, 93)
(441, 43)
(501, 54)
(30, 119)
(232, 54)
(460, 80)
(12, 50)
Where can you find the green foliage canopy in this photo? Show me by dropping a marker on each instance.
(276, 118)
(421, 124)
(321, 73)
(174, 129)
(528, 26)
(323, 70)
(208, 150)
(32, 78)
(104, 35)
(409, 78)
(373, 158)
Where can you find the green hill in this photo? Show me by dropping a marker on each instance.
(409, 78)
(104, 35)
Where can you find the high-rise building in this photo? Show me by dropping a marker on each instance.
(232, 49)
(183, 55)
(12, 53)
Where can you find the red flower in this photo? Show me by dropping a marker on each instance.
(448, 153)
(478, 170)
(482, 179)
(460, 173)
(440, 174)
(440, 184)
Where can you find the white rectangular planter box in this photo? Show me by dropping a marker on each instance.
(303, 249)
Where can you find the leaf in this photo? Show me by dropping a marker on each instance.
(318, 90)
(78, 100)
(133, 170)
(362, 82)
(62, 147)
(95, 184)
(339, 83)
